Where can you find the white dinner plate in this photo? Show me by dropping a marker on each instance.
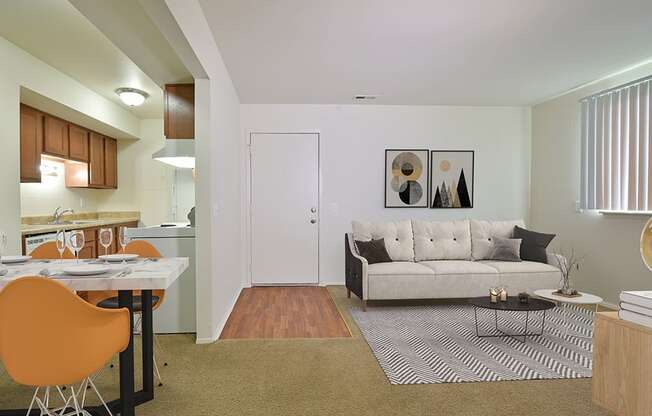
(86, 270)
(115, 258)
(14, 259)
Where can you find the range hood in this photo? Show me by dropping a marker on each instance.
(179, 153)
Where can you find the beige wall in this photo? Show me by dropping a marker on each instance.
(609, 243)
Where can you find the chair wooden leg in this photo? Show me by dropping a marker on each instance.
(364, 306)
(348, 293)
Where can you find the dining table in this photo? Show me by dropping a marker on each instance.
(143, 274)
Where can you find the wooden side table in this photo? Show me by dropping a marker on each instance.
(622, 365)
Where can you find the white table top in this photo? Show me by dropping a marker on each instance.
(585, 299)
(145, 275)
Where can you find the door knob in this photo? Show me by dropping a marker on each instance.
(313, 210)
(313, 221)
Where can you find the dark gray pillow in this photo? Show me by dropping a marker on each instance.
(374, 251)
(533, 246)
(506, 249)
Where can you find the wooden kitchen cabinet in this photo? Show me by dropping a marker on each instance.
(96, 175)
(31, 144)
(55, 141)
(179, 115)
(110, 163)
(78, 143)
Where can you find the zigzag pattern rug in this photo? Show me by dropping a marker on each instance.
(438, 344)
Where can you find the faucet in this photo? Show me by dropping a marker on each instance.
(56, 217)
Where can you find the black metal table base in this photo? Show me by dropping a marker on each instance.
(502, 334)
(125, 405)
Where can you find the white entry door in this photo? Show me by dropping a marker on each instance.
(284, 209)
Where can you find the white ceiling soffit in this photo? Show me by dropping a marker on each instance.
(134, 27)
(465, 52)
(58, 34)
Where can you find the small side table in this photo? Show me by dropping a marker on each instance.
(564, 302)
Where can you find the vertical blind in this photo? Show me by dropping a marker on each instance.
(616, 152)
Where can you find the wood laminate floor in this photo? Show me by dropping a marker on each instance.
(285, 312)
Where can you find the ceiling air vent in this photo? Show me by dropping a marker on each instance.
(365, 97)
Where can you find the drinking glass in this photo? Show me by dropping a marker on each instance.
(124, 240)
(106, 238)
(61, 242)
(77, 242)
(3, 244)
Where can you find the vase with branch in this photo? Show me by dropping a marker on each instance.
(568, 263)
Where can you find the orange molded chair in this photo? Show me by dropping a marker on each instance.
(57, 338)
(48, 251)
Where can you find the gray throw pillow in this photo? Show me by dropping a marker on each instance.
(374, 251)
(506, 249)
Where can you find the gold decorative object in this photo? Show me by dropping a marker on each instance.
(503, 294)
(494, 294)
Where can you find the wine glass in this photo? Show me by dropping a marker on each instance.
(124, 240)
(77, 242)
(61, 242)
(3, 244)
(106, 238)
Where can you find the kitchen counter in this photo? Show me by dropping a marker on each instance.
(37, 225)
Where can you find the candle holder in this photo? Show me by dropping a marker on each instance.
(503, 294)
(494, 294)
(523, 297)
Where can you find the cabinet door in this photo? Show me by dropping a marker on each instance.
(179, 120)
(31, 144)
(110, 163)
(88, 252)
(78, 143)
(96, 161)
(55, 142)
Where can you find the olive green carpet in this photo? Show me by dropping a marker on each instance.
(320, 377)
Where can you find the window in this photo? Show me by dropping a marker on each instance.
(616, 152)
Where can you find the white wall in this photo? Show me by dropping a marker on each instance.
(21, 69)
(218, 151)
(353, 141)
(609, 244)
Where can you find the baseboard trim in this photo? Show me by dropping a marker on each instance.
(220, 327)
(610, 305)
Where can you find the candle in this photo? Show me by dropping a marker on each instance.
(494, 294)
(503, 294)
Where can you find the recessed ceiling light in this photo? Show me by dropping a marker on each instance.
(133, 97)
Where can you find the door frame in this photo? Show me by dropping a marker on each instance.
(248, 232)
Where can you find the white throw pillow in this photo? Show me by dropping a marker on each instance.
(397, 234)
(442, 240)
(482, 233)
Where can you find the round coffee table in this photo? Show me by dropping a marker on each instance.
(564, 303)
(512, 304)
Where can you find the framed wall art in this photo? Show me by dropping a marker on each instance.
(406, 178)
(451, 178)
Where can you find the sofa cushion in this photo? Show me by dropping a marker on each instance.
(504, 267)
(442, 240)
(482, 233)
(506, 249)
(534, 244)
(373, 250)
(399, 269)
(397, 234)
(458, 267)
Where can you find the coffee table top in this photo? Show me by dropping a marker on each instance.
(512, 304)
(585, 299)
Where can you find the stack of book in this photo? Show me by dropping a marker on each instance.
(636, 307)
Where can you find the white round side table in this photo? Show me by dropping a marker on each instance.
(564, 302)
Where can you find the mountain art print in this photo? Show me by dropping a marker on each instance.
(451, 178)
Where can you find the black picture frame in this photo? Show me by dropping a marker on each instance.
(431, 181)
(426, 168)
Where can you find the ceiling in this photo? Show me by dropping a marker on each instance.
(463, 52)
(56, 33)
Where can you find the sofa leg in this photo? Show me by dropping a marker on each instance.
(364, 306)
(348, 293)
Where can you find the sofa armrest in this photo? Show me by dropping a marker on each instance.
(355, 269)
(556, 260)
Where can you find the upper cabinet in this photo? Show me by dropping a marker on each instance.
(96, 177)
(78, 143)
(179, 117)
(110, 163)
(56, 141)
(31, 144)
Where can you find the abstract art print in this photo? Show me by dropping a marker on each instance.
(406, 178)
(451, 178)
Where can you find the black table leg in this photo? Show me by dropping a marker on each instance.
(125, 300)
(148, 345)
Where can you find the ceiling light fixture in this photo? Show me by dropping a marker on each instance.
(133, 97)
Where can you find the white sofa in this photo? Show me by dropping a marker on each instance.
(440, 259)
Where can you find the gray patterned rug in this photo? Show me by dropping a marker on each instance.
(438, 344)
